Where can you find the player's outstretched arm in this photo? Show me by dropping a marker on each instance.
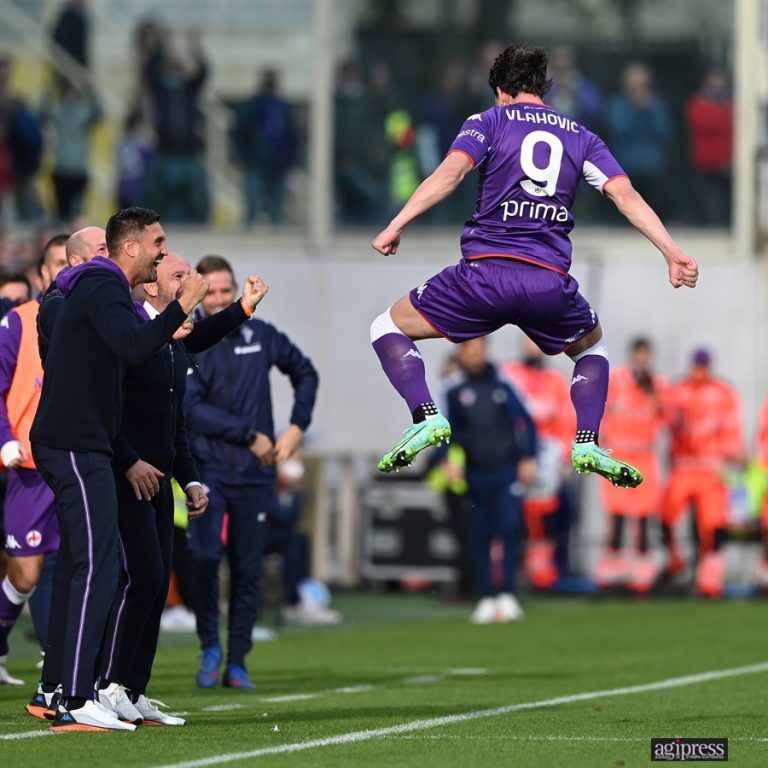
(683, 270)
(434, 189)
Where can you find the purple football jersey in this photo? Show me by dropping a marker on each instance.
(530, 159)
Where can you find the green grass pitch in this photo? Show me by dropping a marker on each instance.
(407, 681)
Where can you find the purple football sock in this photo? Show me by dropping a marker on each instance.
(404, 367)
(9, 612)
(589, 390)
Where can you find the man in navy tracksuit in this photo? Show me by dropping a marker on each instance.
(499, 439)
(152, 448)
(96, 335)
(229, 414)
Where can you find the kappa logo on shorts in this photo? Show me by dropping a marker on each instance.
(577, 379)
(34, 538)
(421, 289)
(11, 543)
(412, 353)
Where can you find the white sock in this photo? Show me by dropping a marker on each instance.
(13, 594)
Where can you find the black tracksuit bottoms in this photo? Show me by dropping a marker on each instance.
(87, 568)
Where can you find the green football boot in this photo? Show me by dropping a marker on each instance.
(590, 457)
(415, 439)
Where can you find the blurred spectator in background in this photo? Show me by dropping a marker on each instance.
(499, 439)
(577, 96)
(133, 156)
(360, 178)
(21, 147)
(762, 459)
(545, 393)
(634, 417)
(441, 113)
(403, 172)
(709, 116)
(149, 38)
(284, 538)
(177, 183)
(572, 93)
(15, 286)
(265, 144)
(477, 95)
(71, 110)
(640, 127)
(70, 32)
(706, 434)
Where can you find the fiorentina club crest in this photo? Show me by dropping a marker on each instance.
(34, 538)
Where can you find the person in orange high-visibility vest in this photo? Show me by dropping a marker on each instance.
(632, 425)
(31, 530)
(546, 394)
(762, 458)
(706, 435)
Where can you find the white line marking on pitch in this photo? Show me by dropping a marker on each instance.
(436, 722)
(291, 697)
(25, 735)
(352, 689)
(468, 672)
(422, 679)
(222, 707)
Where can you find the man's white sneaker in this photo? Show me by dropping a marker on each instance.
(178, 619)
(153, 716)
(115, 698)
(485, 611)
(89, 717)
(310, 614)
(508, 609)
(5, 677)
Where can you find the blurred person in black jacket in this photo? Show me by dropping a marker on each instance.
(499, 441)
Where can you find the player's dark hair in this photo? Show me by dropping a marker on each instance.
(52, 243)
(128, 224)
(213, 263)
(640, 342)
(521, 69)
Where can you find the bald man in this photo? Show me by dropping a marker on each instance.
(152, 448)
(81, 246)
(86, 243)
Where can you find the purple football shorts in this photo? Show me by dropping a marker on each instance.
(475, 298)
(31, 527)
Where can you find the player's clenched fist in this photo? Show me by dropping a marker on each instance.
(254, 290)
(193, 289)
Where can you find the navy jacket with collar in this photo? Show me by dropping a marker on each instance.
(154, 427)
(229, 395)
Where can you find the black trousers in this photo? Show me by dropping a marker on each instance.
(146, 542)
(87, 566)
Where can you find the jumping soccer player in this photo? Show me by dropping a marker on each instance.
(516, 256)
